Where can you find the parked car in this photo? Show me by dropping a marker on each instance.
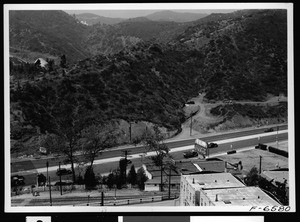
(269, 130)
(190, 154)
(17, 180)
(212, 145)
(63, 171)
(261, 146)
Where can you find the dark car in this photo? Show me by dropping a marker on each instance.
(212, 145)
(190, 154)
(269, 130)
(17, 180)
(63, 171)
(261, 146)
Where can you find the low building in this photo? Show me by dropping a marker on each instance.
(154, 184)
(219, 189)
(182, 167)
(278, 177)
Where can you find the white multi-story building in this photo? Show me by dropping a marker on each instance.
(220, 189)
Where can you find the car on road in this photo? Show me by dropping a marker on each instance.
(17, 180)
(63, 171)
(269, 130)
(190, 154)
(212, 145)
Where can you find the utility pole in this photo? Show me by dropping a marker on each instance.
(130, 131)
(126, 153)
(277, 137)
(60, 185)
(161, 180)
(170, 183)
(260, 157)
(50, 192)
(102, 198)
(191, 126)
(47, 165)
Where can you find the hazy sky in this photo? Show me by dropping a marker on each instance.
(137, 13)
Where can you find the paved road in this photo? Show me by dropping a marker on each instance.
(106, 165)
(38, 163)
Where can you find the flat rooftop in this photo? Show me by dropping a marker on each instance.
(213, 181)
(241, 196)
(250, 158)
(279, 176)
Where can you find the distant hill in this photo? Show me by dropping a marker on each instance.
(109, 39)
(168, 15)
(47, 32)
(92, 19)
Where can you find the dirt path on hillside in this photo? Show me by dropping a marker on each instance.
(203, 119)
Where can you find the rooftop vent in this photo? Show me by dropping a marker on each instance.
(193, 180)
(201, 183)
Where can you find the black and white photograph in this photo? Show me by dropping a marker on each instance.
(149, 107)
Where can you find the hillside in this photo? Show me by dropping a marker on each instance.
(92, 19)
(240, 57)
(246, 53)
(50, 34)
(46, 32)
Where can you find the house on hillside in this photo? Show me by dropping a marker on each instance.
(42, 62)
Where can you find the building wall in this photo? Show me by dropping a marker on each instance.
(151, 187)
(187, 193)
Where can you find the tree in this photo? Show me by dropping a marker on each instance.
(154, 141)
(50, 64)
(110, 180)
(90, 178)
(132, 176)
(252, 177)
(122, 167)
(141, 178)
(114, 179)
(96, 138)
(63, 61)
(42, 179)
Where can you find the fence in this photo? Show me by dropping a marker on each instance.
(278, 151)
